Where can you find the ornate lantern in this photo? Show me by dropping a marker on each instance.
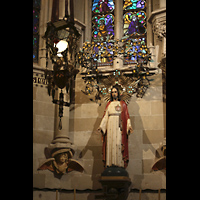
(61, 44)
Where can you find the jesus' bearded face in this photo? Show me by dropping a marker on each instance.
(114, 94)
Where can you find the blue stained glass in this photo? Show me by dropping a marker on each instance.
(103, 30)
(99, 6)
(103, 26)
(143, 51)
(36, 13)
(36, 3)
(135, 23)
(35, 24)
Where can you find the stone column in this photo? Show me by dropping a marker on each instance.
(118, 27)
(162, 3)
(88, 20)
(149, 26)
(61, 137)
(61, 9)
(164, 47)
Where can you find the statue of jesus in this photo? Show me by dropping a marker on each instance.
(115, 128)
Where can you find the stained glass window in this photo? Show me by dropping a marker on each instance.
(99, 6)
(135, 23)
(102, 30)
(36, 13)
(134, 29)
(134, 4)
(103, 27)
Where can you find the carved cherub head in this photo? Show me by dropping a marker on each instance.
(61, 162)
(61, 158)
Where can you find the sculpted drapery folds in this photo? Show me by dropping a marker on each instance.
(115, 128)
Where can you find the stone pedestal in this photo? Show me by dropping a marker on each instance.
(58, 144)
(59, 153)
(115, 182)
(61, 138)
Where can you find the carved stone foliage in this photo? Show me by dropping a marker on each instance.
(159, 28)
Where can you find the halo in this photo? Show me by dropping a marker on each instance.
(119, 86)
(102, 19)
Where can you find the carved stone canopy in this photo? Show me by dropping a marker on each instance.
(160, 29)
(158, 20)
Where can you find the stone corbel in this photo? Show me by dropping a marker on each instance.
(160, 29)
(61, 162)
(59, 155)
(160, 163)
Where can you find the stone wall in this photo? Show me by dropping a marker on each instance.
(90, 195)
(148, 121)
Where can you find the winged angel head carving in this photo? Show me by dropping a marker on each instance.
(61, 162)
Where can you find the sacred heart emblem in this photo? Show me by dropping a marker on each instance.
(118, 108)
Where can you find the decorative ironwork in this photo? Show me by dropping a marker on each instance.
(61, 45)
(132, 80)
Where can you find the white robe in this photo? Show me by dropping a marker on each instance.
(110, 123)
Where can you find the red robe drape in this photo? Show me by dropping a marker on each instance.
(124, 118)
